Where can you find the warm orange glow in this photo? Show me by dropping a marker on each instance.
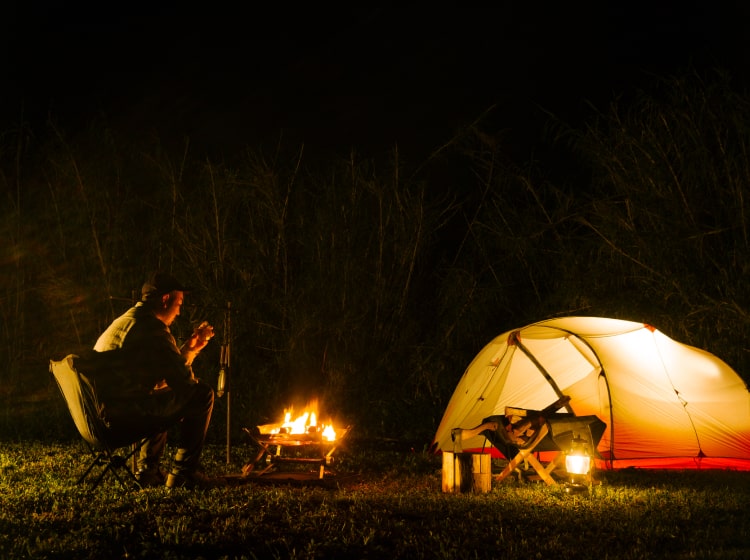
(329, 434)
(578, 459)
(578, 464)
(305, 423)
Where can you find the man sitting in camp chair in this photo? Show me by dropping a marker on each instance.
(156, 386)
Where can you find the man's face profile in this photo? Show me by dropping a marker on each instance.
(172, 304)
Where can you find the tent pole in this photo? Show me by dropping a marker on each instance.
(517, 341)
(228, 381)
(223, 385)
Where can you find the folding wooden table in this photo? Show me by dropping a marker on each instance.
(520, 433)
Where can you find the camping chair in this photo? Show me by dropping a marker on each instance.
(520, 433)
(85, 409)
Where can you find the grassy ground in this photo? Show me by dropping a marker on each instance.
(388, 504)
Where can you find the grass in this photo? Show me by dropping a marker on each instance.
(389, 505)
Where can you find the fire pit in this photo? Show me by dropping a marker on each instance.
(299, 441)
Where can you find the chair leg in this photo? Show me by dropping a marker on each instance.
(109, 461)
(96, 462)
(101, 476)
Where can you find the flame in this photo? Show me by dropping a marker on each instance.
(305, 423)
(329, 434)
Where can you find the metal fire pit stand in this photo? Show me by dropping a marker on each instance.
(271, 451)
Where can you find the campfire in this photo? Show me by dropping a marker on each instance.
(306, 423)
(303, 426)
(309, 441)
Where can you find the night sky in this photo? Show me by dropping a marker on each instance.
(347, 76)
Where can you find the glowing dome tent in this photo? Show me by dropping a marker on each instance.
(666, 404)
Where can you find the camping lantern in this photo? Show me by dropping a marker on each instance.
(578, 465)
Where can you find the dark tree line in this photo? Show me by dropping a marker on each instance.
(371, 283)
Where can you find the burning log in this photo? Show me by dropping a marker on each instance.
(319, 441)
(306, 424)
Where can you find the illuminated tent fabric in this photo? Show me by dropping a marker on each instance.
(666, 404)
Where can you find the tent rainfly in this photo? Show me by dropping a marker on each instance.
(666, 404)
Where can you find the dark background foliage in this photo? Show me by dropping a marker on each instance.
(374, 192)
(370, 282)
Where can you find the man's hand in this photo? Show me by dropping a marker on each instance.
(197, 341)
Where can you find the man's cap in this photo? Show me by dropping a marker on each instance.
(160, 283)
